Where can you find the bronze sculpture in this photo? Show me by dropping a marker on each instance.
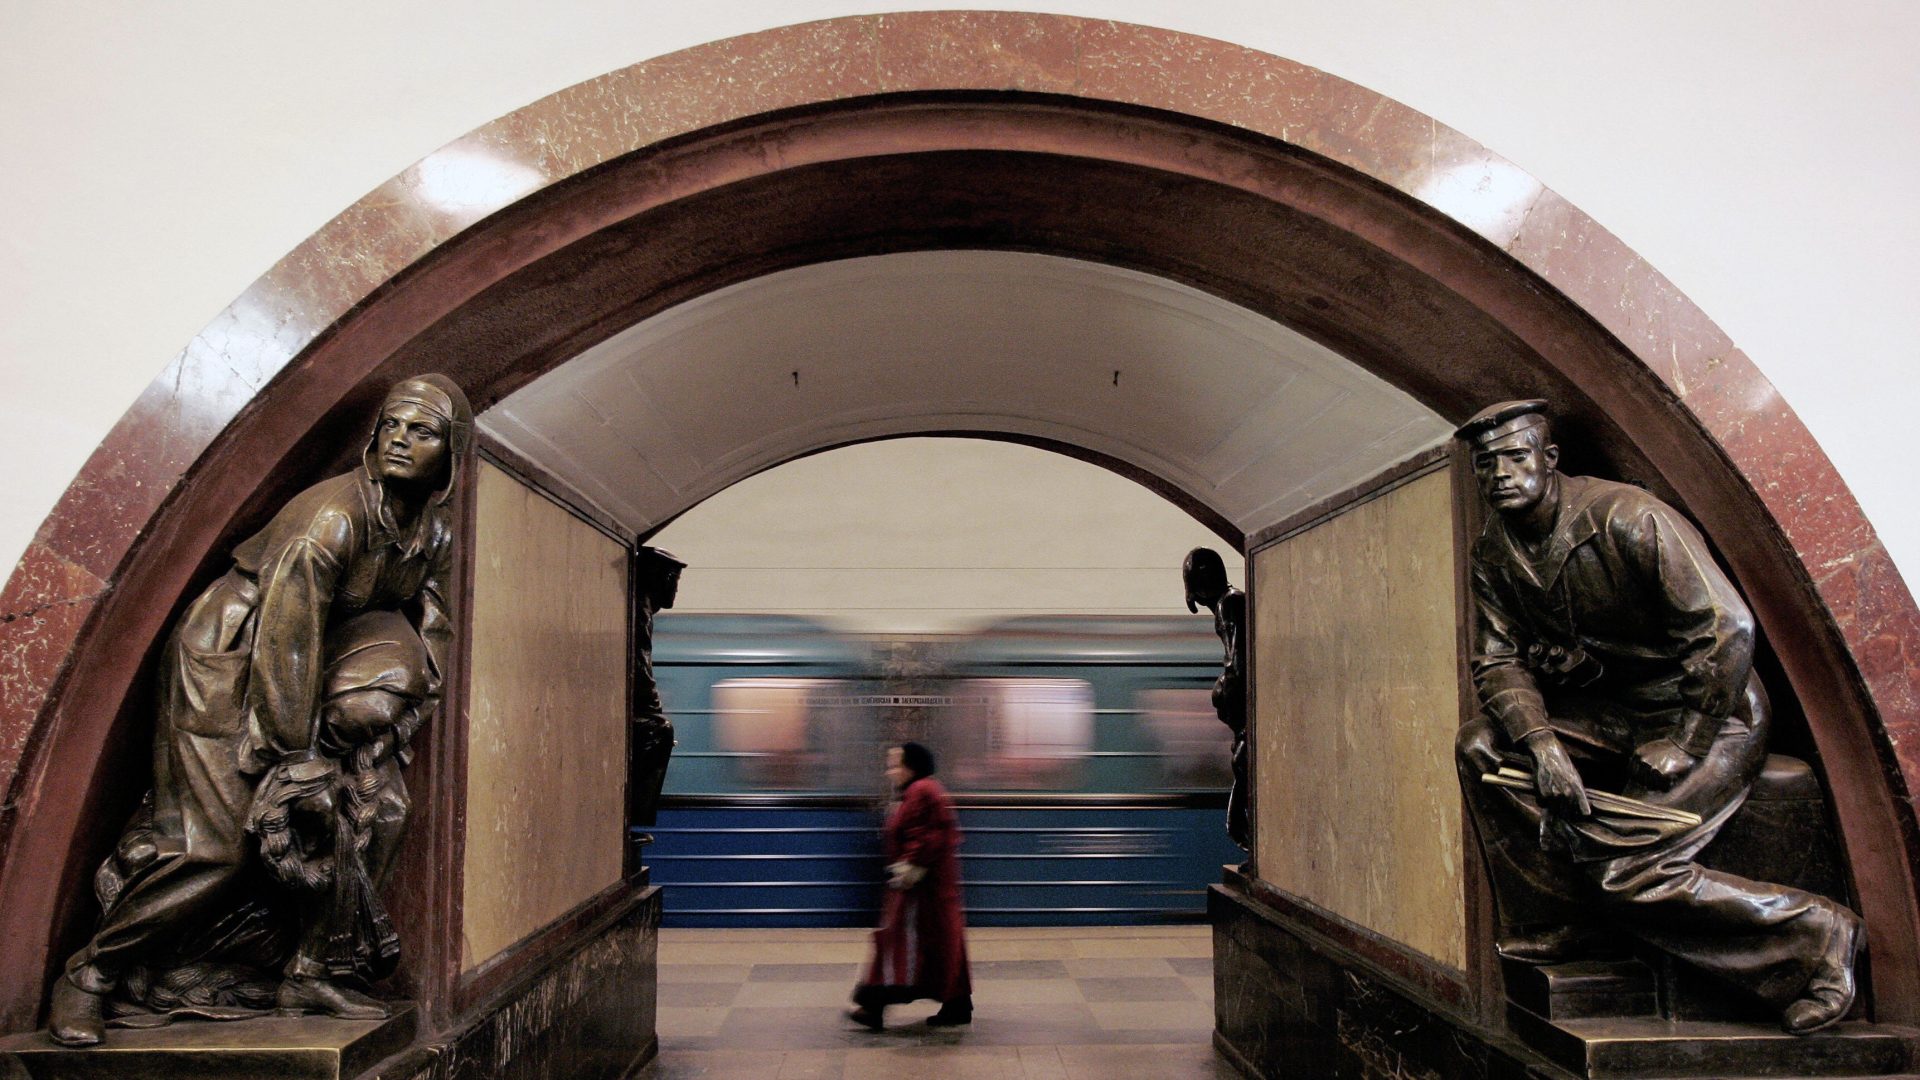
(289, 692)
(1205, 576)
(1613, 661)
(656, 585)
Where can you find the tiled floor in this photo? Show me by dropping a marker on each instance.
(1065, 1003)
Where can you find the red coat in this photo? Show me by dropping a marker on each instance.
(920, 948)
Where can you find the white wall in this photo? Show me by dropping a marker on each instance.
(934, 536)
(161, 156)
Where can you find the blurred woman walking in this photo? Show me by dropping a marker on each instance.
(920, 948)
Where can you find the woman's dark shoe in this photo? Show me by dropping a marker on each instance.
(954, 1015)
(872, 1019)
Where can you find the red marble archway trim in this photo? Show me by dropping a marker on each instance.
(118, 507)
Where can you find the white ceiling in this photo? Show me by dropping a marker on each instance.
(1246, 416)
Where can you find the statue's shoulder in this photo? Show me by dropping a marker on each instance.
(323, 509)
(331, 513)
(1234, 605)
(1623, 509)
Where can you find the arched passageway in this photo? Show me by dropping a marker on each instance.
(1366, 228)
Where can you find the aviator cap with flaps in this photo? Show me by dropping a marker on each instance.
(1499, 421)
(1204, 573)
(442, 397)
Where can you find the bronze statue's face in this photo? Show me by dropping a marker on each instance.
(410, 444)
(669, 588)
(1515, 471)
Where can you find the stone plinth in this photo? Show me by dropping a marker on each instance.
(280, 1048)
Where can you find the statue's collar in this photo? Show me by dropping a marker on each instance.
(1572, 527)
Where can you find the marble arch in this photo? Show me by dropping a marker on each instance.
(1363, 224)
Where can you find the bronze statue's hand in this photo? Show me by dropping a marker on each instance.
(1661, 763)
(1555, 777)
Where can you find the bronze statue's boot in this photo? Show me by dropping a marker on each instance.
(73, 1016)
(1829, 994)
(1554, 944)
(303, 995)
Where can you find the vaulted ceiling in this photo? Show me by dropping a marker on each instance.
(1244, 416)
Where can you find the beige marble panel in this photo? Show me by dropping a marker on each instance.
(1357, 702)
(546, 750)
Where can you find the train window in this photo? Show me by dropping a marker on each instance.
(1195, 748)
(1025, 734)
(762, 728)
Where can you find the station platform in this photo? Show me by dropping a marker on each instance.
(1050, 1003)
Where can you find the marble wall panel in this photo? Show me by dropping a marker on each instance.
(1357, 702)
(546, 752)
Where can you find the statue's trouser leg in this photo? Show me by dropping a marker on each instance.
(169, 900)
(1237, 798)
(393, 804)
(1532, 887)
(652, 750)
(1769, 939)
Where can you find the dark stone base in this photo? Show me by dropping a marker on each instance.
(1290, 1003)
(588, 1015)
(294, 1048)
(1583, 988)
(1652, 1047)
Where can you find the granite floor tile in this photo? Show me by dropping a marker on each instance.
(1168, 988)
(1159, 1061)
(1190, 1016)
(1107, 967)
(1018, 969)
(1041, 1063)
(842, 973)
(935, 1063)
(1163, 947)
(704, 973)
(1192, 965)
(1030, 948)
(690, 1020)
(773, 952)
(814, 1065)
(1026, 992)
(715, 1065)
(685, 995)
(795, 994)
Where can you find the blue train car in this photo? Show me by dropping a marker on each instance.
(768, 817)
(1090, 769)
(1083, 755)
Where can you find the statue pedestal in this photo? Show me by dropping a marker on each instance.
(294, 1048)
(1640, 1046)
(1601, 1018)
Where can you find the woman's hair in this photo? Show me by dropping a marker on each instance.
(918, 759)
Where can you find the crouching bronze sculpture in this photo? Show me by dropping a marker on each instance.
(289, 692)
(1613, 655)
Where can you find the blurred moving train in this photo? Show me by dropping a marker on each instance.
(1088, 767)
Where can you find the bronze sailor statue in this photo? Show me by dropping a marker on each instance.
(1621, 727)
(289, 692)
(1205, 575)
